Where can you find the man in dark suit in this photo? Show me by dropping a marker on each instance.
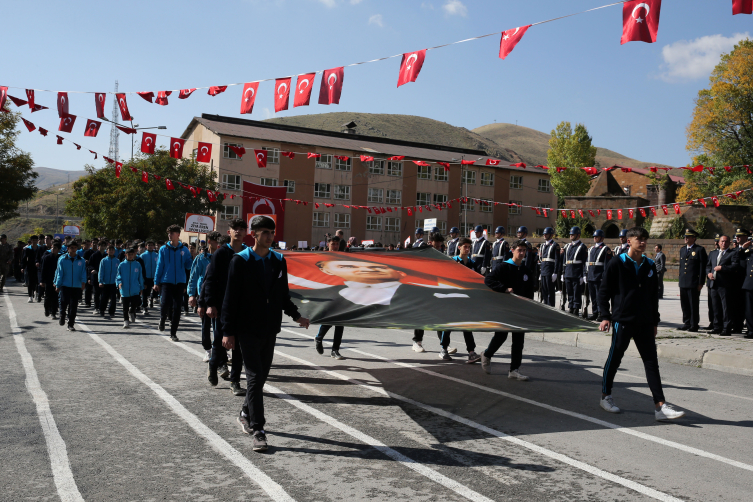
(738, 298)
(746, 260)
(661, 267)
(721, 270)
(693, 260)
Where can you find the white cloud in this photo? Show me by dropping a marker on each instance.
(455, 8)
(267, 114)
(427, 5)
(329, 3)
(690, 60)
(377, 20)
(355, 2)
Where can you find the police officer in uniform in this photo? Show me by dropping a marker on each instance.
(738, 298)
(623, 246)
(551, 266)
(531, 260)
(746, 260)
(500, 248)
(452, 244)
(481, 250)
(576, 255)
(598, 257)
(693, 261)
(419, 239)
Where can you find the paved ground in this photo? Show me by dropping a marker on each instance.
(108, 414)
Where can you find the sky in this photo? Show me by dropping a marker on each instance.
(635, 99)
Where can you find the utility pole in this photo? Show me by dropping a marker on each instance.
(114, 133)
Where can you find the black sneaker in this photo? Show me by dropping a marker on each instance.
(224, 372)
(245, 426)
(319, 347)
(61, 321)
(260, 441)
(174, 338)
(212, 376)
(47, 314)
(162, 324)
(236, 389)
(71, 328)
(335, 354)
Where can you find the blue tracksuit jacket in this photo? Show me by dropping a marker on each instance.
(198, 270)
(70, 273)
(172, 264)
(150, 263)
(108, 270)
(130, 279)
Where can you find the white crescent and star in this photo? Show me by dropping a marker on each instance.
(330, 78)
(122, 103)
(252, 93)
(266, 202)
(92, 126)
(278, 89)
(414, 57)
(201, 150)
(148, 140)
(176, 146)
(62, 100)
(66, 121)
(260, 156)
(644, 5)
(101, 97)
(304, 81)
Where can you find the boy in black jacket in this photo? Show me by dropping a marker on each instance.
(256, 296)
(48, 266)
(512, 276)
(630, 284)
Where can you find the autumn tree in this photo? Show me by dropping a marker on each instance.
(16, 168)
(572, 149)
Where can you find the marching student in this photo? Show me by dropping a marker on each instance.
(437, 241)
(45, 244)
(6, 260)
(334, 245)
(88, 293)
(149, 257)
(477, 265)
(170, 279)
(92, 267)
(107, 275)
(630, 285)
(198, 271)
(70, 281)
(29, 267)
(130, 281)
(49, 268)
(257, 294)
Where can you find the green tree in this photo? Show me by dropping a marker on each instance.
(570, 148)
(126, 207)
(16, 169)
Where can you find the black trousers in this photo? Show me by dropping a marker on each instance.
(147, 293)
(206, 331)
(661, 285)
(643, 336)
(96, 291)
(171, 300)
(69, 298)
(337, 340)
(690, 299)
(721, 302)
(418, 335)
(593, 292)
(219, 353)
(548, 290)
(470, 342)
(129, 305)
(518, 339)
(50, 299)
(574, 292)
(88, 291)
(107, 294)
(257, 353)
(32, 282)
(748, 300)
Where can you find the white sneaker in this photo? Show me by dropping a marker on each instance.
(607, 403)
(486, 364)
(207, 356)
(418, 347)
(31, 300)
(126, 325)
(451, 350)
(666, 412)
(444, 355)
(515, 375)
(133, 316)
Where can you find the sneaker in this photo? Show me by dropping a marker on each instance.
(146, 311)
(245, 426)
(319, 347)
(71, 328)
(47, 314)
(212, 376)
(335, 354)
(515, 375)
(174, 338)
(62, 320)
(236, 389)
(607, 403)
(486, 364)
(133, 316)
(31, 300)
(473, 357)
(451, 350)
(54, 316)
(443, 354)
(224, 372)
(260, 441)
(126, 325)
(162, 325)
(207, 356)
(39, 298)
(666, 412)
(418, 347)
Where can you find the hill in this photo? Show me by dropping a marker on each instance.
(40, 212)
(49, 177)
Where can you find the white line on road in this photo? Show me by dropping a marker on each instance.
(603, 423)
(61, 467)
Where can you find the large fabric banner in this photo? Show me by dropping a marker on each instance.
(411, 289)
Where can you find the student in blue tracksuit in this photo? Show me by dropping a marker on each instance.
(170, 279)
(70, 280)
(149, 257)
(108, 273)
(198, 271)
(130, 281)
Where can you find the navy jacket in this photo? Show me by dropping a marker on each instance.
(49, 266)
(550, 258)
(575, 260)
(727, 276)
(634, 296)
(598, 258)
(472, 264)
(482, 252)
(509, 275)
(693, 266)
(215, 279)
(500, 252)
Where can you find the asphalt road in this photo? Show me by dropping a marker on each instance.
(110, 414)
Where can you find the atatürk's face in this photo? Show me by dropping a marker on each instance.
(361, 271)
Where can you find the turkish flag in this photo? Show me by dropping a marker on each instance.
(66, 123)
(303, 87)
(169, 184)
(677, 208)
(332, 86)
(95, 154)
(176, 147)
(290, 155)
(631, 213)
(397, 157)
(62, 104)
(261, 158)
(467, 162)
(123, 104)
(149, 96)
(162, 97)
(666, 211)
(314, 155)
(29, 125)
(367, 158)
(216, 89)
(78, 147)
(99, 102)
(446, 165)
(564, 213)
(282, 94)
(510, 39)
(43, 131)
(92, 128)
(147, 142)
(643, 212)
(492, 162)
(240, 151)
(715, 200)
(60, 139)
(118, 167)
(204, 153)
(421, 163)
(127, 130)
(3, 95)
(580, 212)
(212, 197)
(249, 97)
(410, 67)
(265, 200)
(702, 201)
(184, 93)
(640, 21)
(30, 98)
(653, 210)
(144, 177)
(591, 213)
(572, 214)
(742, 7)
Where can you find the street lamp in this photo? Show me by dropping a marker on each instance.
(463, 182)
(133, 126)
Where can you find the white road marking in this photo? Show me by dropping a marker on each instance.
(603, 423)
(274, 490)
(61, 467)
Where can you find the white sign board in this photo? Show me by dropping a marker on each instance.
(429, 223)
(368, 242)
(283, 244)
(303, 244)
(71, 230)
(199, 223)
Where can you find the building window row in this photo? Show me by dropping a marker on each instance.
(273, 154)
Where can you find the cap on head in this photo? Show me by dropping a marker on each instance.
(479, 228)
(3, 236)
(599, 233)
(575, 231)
(623, 232)
(548, 231)
(689, 232)
(500, 230)
(435, 230)
(419, 231)
(717, 237)
(523, 229)
(741, 232)
(454, 230)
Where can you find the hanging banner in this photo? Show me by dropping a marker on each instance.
(266, 201)
(199, 223)
(71, 230)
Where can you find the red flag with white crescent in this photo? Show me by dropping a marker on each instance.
(314, 155)
(62, 104)
(176, 147)
(564, 213)
(410, 66)
(653, 210)
(282, 94)
(149, 96)
(29, 125)
(331, 86)
(446, 165)
(99, 102)
(580, 212)
(510, 39)
(118, 167)
(169, 184)
(666, 211)
(303, 87)
(92, 128)
(619, 214)
(591, 213)
(184, 93)
(43, 131)
(742, 7)
(677, 208)
(204, 152)
(60, 139)
(261, 158)
(492, 162)
(78, 147)
(216, 89)
(248, 98)
(30, 98)
(162, 97)
(631, 213)
(572, 213)
(95, 154)
(397, 157)
(366, 158)
(643, 212)
(240, 151)
(290, 155)
(66, 123)
(640, 21)
(702, 201)
(147, 142)
(715, 200)
(144, 177)
(123, 105)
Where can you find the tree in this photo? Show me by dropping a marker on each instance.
(126, 207)
(568, 148)
(16, 168)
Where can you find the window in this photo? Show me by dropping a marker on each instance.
(322, 190)
(321, 219)
(230, 212)
(423, 198)
(194, 153)
(515, 209)
(652, 188)
(465, 228)
(376, 194)
(440, 174)
(440, 198)
(516, 182)
(291, 185)
(467, 206)
(373, 223)
(442, 227)
(269, 182)
(376, 167)
(391, 224)
(486, 206)
(273, 155)
(324, 162)
(227, 153)
(469, 177)
(342, 192)
(342, 165)
(231, 182)
(419, 223)
(342, 220)
(544, 206)
(394, 168)
(544, 185)
(628, 189)
(424, 172)
(487, 179)
(394, 196)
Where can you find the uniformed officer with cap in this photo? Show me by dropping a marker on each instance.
(419, 239)
(623, 246)
(598, 257)
(576, 255)
(738, 298)
(452, 244)
(746, 260)
(481, 250)
(531, 260)
(693, 260)
(551, 266)
(500, 248)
